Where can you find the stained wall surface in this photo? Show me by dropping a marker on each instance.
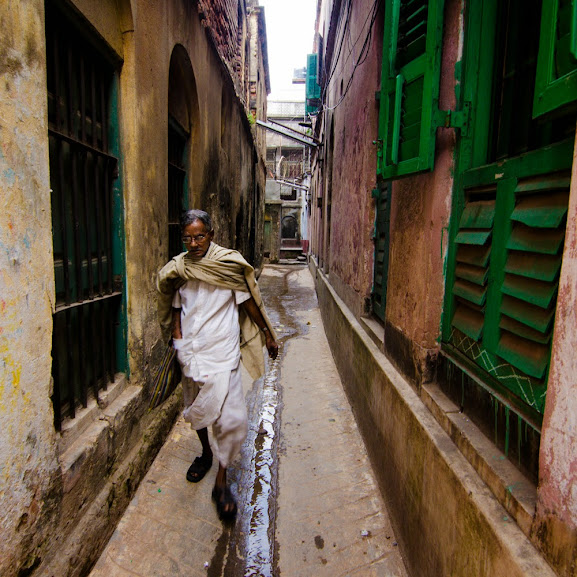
(29, 482)
(343, 201)
(341, 228)
(61, 492)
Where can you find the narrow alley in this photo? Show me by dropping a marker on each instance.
(309, 504)
(403, 174)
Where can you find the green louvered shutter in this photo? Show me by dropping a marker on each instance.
(534, 253)
(508, 253)
(312, 88)
(556, 80)
(471, 270)
(409, 86)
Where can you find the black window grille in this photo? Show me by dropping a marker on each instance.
(176, 181)
(291, 195)
(82, 171)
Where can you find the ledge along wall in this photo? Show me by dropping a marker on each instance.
(446, 519)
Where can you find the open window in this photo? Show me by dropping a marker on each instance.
(409, 86)
(556, 81)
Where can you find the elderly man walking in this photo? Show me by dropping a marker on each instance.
(210, 304)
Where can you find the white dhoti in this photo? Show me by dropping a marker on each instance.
(218, 400)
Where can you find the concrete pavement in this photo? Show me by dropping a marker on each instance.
(308, 500)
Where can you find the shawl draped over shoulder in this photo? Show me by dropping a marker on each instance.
(225, 268)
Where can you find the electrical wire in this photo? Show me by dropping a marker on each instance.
(363, 54)
(336, 61)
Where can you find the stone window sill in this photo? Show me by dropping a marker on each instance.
(73, 429)
(516, 493)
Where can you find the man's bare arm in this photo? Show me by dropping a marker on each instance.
(176, 326)
(254, 313)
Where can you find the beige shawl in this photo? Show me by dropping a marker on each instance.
(224, 268)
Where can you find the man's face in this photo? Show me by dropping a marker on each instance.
(196, 239)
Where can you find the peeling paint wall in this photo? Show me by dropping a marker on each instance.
(420, 205)
(61, 493)
(348, 158)
(555, 525)
(28, 477)
(420, 210)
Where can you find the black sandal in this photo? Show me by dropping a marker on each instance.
(199, 468)
(225, 503)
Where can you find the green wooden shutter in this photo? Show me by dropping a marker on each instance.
(381, 238)
(508, 253)
(472, 262)
(312, 88)
(409, 86)
(531, 274)
(556, 80)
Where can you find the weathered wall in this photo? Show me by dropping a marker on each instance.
(259, 69)
(29, 484)
(446, 519)
(555, 524)
(222, 158)
(350, 163)
(221, 22)
(420, 205)
(420, 210)
(61, 493)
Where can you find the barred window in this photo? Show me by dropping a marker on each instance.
(176, 178)
(88, 264)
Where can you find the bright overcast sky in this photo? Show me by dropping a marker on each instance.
(290, 33)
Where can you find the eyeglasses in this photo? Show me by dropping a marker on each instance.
(199, 238)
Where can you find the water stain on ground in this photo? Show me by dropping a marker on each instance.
(248, 548)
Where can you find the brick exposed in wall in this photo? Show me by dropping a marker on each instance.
(221, 17)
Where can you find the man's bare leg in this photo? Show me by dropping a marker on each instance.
(206, 450)
(225, 503)
(201, 465)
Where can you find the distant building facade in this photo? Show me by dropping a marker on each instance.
(288, 176)
(116, 116)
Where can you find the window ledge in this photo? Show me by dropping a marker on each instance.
(72, 429)
(375, 330)
(512, 489)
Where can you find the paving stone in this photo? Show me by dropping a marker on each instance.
(330, 517)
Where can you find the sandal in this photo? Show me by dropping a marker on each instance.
(225, 503)
(199, 468)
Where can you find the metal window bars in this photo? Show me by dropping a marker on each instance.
(88, 297)
(177, 138)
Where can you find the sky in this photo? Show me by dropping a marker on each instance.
(290, 34)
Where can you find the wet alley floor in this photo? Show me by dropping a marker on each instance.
(308, 501)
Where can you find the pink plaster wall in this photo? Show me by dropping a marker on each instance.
(556, 518)
(354, 161)
(420, 211)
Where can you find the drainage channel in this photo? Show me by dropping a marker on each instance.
(248, 548)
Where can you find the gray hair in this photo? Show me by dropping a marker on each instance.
(190, 216)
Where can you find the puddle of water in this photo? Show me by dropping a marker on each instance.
(250, 545)
(259, 541)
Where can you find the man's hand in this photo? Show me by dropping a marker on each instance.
(271, 346)
(254, 313)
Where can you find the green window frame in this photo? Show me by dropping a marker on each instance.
(409, 94)
(509, 213)
(556, 82)
(89, 323)
(382, 196)
(507, 252)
